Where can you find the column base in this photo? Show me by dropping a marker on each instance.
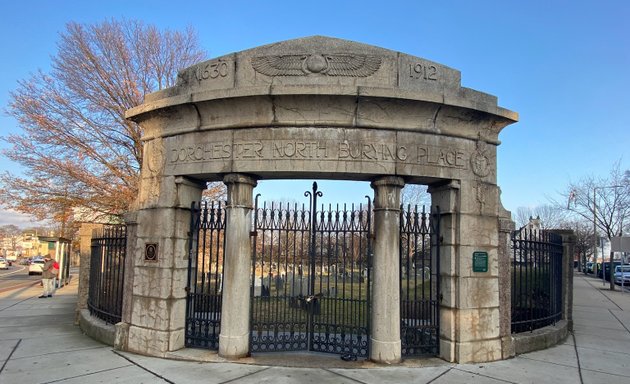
(121, 336)
(152, 342)
(233, 347)
(385, 352)
(471, 352)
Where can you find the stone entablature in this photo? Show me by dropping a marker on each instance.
(333, 105)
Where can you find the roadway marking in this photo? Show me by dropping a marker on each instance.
(22, 267)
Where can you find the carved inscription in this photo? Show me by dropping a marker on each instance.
(443, 157)
(212, 70)
(423, 71)
(217, 151)
(425, 155)
(299, 149)
(372, 151)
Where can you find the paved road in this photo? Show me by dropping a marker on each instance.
(39, 343)
(16, 277)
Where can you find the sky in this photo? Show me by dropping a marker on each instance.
(564, 66)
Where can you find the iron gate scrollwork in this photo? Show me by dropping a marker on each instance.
(419, 281)
(310, 273)
(205, 275)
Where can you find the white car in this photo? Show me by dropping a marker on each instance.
(622, 270)
(36, 267)
(4, 264)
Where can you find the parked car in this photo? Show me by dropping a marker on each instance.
(622, 272)
(589, 267)
(36, 267)
(4, 264)
(605, 271)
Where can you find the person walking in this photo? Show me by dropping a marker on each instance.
(48, 277)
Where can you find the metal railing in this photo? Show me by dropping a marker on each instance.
(536, 279)
(311, 277)
(419, 281)
(205, 275)
(107, 271)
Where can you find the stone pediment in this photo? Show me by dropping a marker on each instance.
(321, 65)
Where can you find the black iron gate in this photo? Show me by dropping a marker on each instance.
(310, 277)
(419, 281)
(205, 272)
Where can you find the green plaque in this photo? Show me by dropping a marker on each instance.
(480, 261)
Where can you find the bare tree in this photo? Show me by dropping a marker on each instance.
(76, 146)
(583, 231)
(9, 230)
(522, 216)
(415, 194)
(551, 217)
(605, 202)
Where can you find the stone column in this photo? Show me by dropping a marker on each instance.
(121, 335)
(131, 221)
(568, 251)
(85, 239)
(506, 227)
(385, 344)
(445, 199)
(235, 310)
(469, 306)
(156, 306)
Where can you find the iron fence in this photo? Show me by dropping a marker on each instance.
(536, 279)
(310, 277)
(107, 271)
(419, 281)
(205, 275)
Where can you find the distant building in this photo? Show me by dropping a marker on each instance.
(532, 225)
(28, 244)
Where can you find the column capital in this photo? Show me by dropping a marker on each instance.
(568, 235)
(182, 180)
(393, 181)
(239, 178)
(445, 196)
(387, 193)
(239, 190)
(440, 187)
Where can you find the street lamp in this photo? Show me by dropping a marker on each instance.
(595, 231)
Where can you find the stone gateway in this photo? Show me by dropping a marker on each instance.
(320, 108)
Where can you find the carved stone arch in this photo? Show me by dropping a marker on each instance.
(320, 107)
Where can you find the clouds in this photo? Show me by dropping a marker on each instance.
(19, 219)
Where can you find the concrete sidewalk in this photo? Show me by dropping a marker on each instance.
(39, 343)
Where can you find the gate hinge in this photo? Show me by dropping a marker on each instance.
(253, 233)
(187, 289)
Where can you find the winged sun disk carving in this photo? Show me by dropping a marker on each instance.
(325, 64)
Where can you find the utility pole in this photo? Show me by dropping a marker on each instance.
(610, 265)
(595, 233)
